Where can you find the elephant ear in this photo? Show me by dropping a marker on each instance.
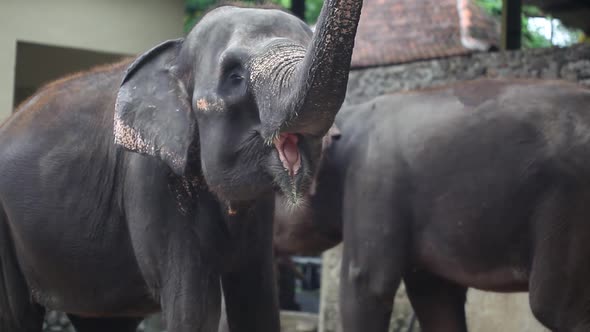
(153, 114)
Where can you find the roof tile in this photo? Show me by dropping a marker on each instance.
(400, 31)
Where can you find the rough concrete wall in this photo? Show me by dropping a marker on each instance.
(329, 313)
(487, 312)
(492, 312)
(571, 64)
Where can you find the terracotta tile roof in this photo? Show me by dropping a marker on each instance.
(396, 31)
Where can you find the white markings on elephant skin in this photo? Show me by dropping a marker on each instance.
(354, 271)
(206, 104)
(185, 192)
(130, 138)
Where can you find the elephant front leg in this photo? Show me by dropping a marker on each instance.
(249, 288)
(250, 297)
(17, 311)
(366, 296)
(191, 301)
(439, 304)
(374, 253)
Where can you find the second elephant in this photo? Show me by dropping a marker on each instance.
(483, 184)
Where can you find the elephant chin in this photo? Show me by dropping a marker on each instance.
(291, 191)
(290, 169)
(292, 202)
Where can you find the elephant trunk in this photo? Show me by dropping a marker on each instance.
(311, 83)
(323, 75)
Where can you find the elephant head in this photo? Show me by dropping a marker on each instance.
(244, 99)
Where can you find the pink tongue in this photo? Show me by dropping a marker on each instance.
(290, 150)
(286, 144)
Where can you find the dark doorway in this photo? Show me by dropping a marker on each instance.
(37, 64)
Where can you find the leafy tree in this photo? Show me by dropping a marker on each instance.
(531, 38)
(196, 8)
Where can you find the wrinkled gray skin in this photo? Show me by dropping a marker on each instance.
(485, 184)
(118, 200)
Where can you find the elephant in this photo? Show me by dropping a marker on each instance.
(480, 184)
(149, 185)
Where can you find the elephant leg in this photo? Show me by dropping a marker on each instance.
(251, 297)
(17, 311)
(191, 301)
(115, 324)
(374, 254)
(558, 283)
(366, 301)
(439, 304)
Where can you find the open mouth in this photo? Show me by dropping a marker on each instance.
(286, 145)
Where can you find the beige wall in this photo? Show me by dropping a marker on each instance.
(114, 26)
(492, 312)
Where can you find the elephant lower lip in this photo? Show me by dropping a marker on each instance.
(286, 145)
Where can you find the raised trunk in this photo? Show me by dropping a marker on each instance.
(323, 74)
(311, 84)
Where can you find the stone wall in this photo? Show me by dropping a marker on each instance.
(486, 312)
(571, 64)
(492, 312)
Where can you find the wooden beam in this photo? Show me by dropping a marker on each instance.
(511, 24)
(298, 8)
(564, 7)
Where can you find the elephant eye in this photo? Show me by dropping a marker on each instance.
(236, 77)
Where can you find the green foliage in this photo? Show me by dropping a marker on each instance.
(492, 7)
(283, 3)
(196, 8)
(530, 38)
(312, 10)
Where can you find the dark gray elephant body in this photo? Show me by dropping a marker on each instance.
(121, 199)
(484, 184)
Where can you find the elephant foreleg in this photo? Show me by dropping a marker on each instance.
(249, 288)
(560, 271)
(250, 297)
(17, 311)
(251, 302)
(191, 301)
(439, 304)
(373, 258)
(366, 307)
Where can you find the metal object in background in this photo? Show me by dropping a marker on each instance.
(511, 24)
